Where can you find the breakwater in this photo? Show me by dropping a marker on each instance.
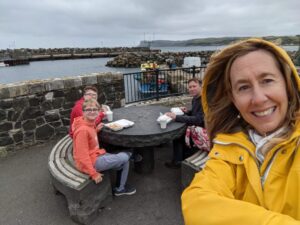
(67, 53)
(36, 111)
(135, 59)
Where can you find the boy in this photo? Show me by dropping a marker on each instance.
(89, 158)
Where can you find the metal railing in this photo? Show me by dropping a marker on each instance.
(159, 83)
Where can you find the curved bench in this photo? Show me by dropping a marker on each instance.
(84, 197)
(192, 165)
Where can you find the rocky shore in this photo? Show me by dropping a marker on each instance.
(135, 59)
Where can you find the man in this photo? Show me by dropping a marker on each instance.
(193, 117)
(92, 160)
(89, 92)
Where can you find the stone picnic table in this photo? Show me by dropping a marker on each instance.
(144, 135)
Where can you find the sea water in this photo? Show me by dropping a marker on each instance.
(40, 70)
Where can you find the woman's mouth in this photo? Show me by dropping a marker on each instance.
(265, 112)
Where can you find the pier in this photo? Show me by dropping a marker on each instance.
(12, 57)
(15, 62)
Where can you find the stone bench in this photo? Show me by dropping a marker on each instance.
(83, 196)
(192, 165)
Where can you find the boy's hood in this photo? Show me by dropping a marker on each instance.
(79, 122)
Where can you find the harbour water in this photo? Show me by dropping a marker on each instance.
(40, 70)
(75, 67)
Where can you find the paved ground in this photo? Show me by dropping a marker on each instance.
(26, 196)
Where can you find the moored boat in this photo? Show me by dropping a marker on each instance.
(2, 64)
(148, 81)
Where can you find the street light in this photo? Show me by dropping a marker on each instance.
(297, 56)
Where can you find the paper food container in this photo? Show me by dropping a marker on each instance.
(119, 124)
(164, 117)
(177, 111)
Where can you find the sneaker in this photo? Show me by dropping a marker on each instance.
(173, 165)
(136, 158)
(125, 191)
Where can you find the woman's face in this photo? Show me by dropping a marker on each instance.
(259, 91)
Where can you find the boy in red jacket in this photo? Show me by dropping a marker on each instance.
(89, 158)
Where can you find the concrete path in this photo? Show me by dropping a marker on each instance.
(27, 198)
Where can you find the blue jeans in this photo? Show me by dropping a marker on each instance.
(119, 161)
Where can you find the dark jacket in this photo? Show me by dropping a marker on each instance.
(194, 116)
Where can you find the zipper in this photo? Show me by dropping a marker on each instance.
(268, 168)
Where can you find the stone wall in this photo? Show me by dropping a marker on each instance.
(36, 111)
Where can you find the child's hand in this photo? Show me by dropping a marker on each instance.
(99, 127)
(98, 178)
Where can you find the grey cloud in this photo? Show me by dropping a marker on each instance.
(84, 23)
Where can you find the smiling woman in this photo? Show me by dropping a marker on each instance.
(252, 105)
(259, 91)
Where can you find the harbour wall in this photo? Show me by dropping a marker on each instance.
(67, 53)
(36, 111)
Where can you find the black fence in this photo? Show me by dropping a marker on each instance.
(160, 83)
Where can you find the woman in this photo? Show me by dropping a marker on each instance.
(195, 137)
(251, 103)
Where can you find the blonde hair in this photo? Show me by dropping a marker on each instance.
(221, 115)
(90, 102)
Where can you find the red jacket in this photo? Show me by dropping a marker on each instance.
(85, 146)
(77, 111)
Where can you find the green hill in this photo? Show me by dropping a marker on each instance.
(281, 40)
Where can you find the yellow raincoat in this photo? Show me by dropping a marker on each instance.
(233, 189)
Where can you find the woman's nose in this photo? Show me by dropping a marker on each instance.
(258, 96)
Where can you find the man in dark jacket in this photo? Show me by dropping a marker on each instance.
(191, 117)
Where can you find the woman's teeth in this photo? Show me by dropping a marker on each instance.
(265, 113)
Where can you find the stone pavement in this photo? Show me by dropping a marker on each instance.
(27, 198)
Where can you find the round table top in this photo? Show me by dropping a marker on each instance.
(146, 130)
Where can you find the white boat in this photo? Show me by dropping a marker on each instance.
(2, 64)
(190, 61)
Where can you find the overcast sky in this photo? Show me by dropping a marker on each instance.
(112, 23)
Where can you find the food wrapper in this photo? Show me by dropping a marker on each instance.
(164, 117)
(177, 111)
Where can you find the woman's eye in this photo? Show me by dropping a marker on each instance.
(243, 87)
(267, 81)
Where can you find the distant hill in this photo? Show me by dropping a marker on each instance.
(281, 40)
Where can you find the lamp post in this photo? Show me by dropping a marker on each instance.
(297, 56)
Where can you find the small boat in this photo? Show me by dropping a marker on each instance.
(150, 88)
(189, 62)
(2, 64)
(147, 79)
(149, 66)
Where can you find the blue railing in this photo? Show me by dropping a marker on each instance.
(159, 83)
